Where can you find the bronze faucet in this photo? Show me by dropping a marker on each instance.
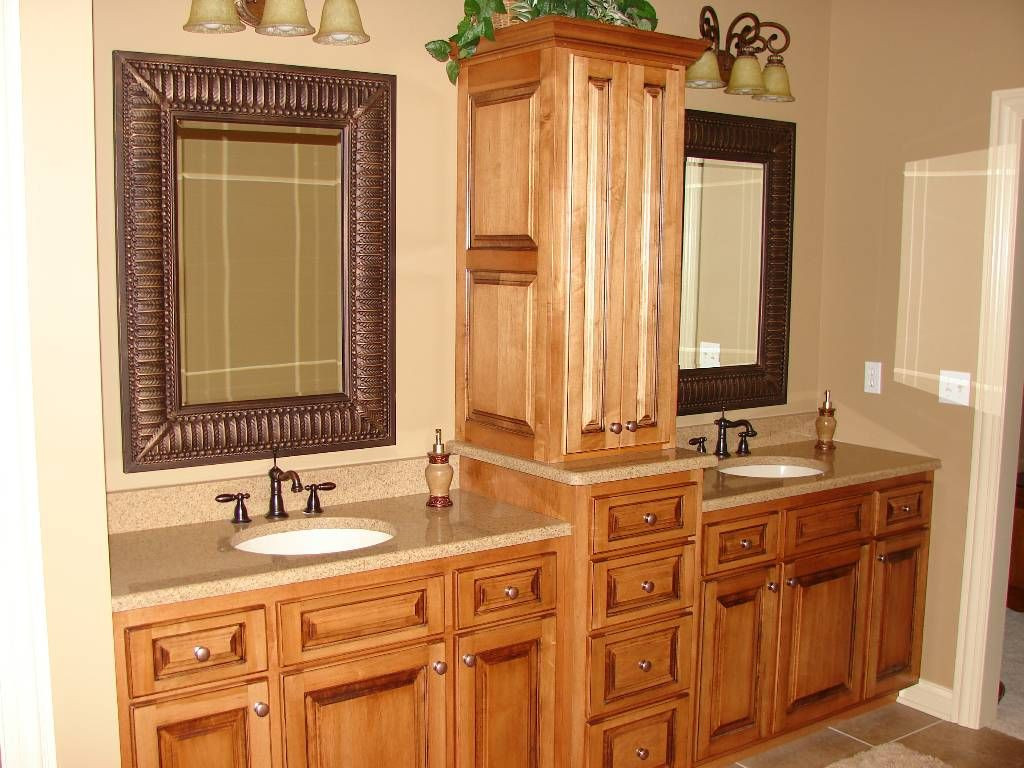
(723, 424)
(277, 475)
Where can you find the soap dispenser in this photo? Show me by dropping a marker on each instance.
(825, 424)
(439, 473)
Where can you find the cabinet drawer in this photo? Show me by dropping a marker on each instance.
(644, 517)
(656, 737)
(635, 666)
(825, 525)
(632, 588)
(163, 657)
(903, 508)
(505, 591)
(739, 543)
(346, 622)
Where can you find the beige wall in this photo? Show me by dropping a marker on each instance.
(911, 83)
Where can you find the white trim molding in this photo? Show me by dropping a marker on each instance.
(996, 422)
(927, 697)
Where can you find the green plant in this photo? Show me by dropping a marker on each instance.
(478, 22)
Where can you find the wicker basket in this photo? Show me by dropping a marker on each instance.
(502, 20)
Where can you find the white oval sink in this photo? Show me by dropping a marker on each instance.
(772, 471)
(313, 541)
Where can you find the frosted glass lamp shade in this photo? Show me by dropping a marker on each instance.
(213, 17)
(704, 73)
(745, 78)
(341, 24)
(776, 81)
(285, 18)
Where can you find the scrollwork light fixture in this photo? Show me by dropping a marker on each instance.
(340, 24)
(748, 36)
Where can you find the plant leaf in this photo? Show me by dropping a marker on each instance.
(465, 53)
(439, 49)
(472, 7)
(488, 26)
(452, 67)
(488, 7)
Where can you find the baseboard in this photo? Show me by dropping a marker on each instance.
(932, 699)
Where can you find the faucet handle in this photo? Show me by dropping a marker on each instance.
(744, 448)
(313, 506)
(241, 513)
(701, 443)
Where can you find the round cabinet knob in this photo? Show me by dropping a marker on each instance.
(262, 709)
(511, 592)
(631, 426)
(882, 558)
(616, 428)
(773, 587)
(642, 753)
(650, 518)
(791, 582)
(647, 586)
(469, 660)
(645, 666)
(201, 652)
(746, 543)
(440, 667)
(905, 509)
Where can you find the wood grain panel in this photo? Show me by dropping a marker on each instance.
(632, 588)
(901, 509)
(505, 591)
(655, 737)
(332, 625)
(741, 543)
(500, 349)
(827, 525)
(655, 516)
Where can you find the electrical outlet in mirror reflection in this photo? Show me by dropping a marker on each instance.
(955, 387)
(873, 378)
(710, 355)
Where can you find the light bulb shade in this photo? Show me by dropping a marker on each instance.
(745, 78)
(341, 24)
(213, 17)
(776, 81)
(285, 18)
(704, 73)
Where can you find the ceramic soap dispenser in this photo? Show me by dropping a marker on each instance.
(439, 473)
(825, 424)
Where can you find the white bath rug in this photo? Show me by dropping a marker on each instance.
(892, 755)
(1010, 715)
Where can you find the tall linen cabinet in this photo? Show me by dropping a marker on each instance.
(568, 239)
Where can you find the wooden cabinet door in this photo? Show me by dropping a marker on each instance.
(737, 669)
(504, 700)
(378, 711)
(225, 729)
(822, 636)
(897, 613)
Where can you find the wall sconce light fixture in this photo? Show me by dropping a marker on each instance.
(747, 36)
(340, 23)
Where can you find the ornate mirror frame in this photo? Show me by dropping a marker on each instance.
(152, 92)
(773, 143)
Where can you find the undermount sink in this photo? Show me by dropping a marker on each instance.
(771, 471)
(320, 540)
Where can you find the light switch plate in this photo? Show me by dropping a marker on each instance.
(710, 355)
(873, 378)
(955, 387)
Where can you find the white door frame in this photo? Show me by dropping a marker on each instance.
(997, 414)
(26, 707)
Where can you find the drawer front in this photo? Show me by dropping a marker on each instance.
(739, 543)
(346, 622)
(656, 737)
(902, 508)
(660, 515)
(632, 588)
(164, 657)
(824, 525)
(505, 591)
(632, 667)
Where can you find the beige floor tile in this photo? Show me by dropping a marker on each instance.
(966, 748)
(888, 723)
(814, 751)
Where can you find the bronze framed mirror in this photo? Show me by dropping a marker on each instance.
(737, 262)
(256, 259)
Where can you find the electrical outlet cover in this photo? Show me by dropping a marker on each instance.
(955, 387)
(710, 355)
(873, 378)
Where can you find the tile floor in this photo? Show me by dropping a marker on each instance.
(960, 747)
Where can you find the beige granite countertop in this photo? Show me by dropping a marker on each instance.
(847, 465)
(186, 562)
(589, 471)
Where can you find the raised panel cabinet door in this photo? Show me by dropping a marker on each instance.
(822, 635)
(897, 613)
(371, 712)
(737, 661)
(504, 699)
(596, 254)
(220, 729)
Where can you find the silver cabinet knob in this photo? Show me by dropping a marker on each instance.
(647, 586)
(616, 428)
(650, 518)
(201, 652)
(631, 425)
(642, 753)
(791, 582)
(469, 660)
(440, 667)
(511, 592)
(773, 587)
(262, 709)
(882, 558)
(905, 509)
(645, 666)
(746, 543)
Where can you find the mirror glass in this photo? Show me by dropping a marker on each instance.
(260, 270)
(723, 225)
